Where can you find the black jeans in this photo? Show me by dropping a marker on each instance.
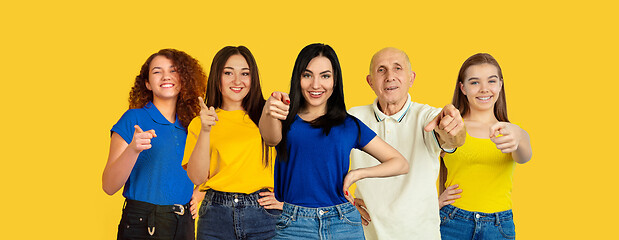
(142, 220)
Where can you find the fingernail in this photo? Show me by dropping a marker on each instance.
(287, 101)
(346, 193)
(273, 94)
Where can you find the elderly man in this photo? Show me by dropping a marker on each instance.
(406, 206)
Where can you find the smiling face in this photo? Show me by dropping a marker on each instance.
(317, 83)
(482, 86)
(163, 79)
(235, 82)
(391, 77)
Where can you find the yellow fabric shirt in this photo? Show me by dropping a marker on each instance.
(484, 174)
(236, 154)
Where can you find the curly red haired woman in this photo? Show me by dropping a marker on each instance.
(147, 147)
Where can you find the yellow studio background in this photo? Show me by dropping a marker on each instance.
(67, 68)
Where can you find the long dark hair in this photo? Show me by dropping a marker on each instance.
(336, 108)
(462, 103)
(253, 102)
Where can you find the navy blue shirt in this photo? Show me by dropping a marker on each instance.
(313, 175)
(157, 176)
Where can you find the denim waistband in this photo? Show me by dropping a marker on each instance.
(478, 216)
(321, 212)
(234, 199)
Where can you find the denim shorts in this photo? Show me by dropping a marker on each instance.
(336, 222)
(457, 223)
(226, 215)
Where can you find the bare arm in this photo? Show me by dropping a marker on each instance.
(198, 165)
(524, 152)
(392, 164)
(274, 112)
(122, 158)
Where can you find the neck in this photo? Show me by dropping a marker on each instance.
(481, 116)
(232, 106)
(167, 108)
(391, 108)
(309, 113)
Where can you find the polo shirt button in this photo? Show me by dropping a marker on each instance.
(477, 215)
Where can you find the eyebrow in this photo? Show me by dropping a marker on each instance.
(233, 68)
(476, 78)
(161, 68)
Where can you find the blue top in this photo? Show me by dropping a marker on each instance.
(157, 176)
(314, 174)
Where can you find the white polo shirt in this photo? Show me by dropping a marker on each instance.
(405, 206)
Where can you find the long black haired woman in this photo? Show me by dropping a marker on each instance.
(314, 136)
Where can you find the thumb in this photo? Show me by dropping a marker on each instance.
(138, 129)
(432, 123)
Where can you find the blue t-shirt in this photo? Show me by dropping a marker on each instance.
(157, 176)
(313, 175)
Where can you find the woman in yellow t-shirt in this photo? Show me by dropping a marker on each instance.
(477, 204)
(226, 156)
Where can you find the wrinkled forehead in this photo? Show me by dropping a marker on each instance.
(389, 57)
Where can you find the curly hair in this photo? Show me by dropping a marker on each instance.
(192, 79)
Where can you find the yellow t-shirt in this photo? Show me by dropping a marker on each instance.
(236, 154)
(484, 174)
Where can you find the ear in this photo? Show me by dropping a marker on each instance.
(462, 88)
(148, 85)
(413, 75)
(369, 80)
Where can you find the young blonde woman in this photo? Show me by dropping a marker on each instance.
(147, 148)
(314, 136)
(226, 156)
(477, 201)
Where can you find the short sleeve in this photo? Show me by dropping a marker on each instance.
(365, 134)
(193, 130)
(124, 126)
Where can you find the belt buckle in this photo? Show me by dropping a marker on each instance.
(182, 211)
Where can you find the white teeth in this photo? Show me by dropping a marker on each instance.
(236, 89)
(167, 85)
(315, 93)
(484, 98)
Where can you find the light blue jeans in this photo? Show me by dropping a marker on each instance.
(459, 224)
(336, 222)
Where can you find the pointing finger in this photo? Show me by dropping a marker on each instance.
(494, 129)
(202, 104)
(152, 132)
(286, 98)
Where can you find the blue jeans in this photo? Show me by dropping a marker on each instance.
(336, 222)
(461, 224)
(226, 216)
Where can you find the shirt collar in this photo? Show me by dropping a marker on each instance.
(380, 116)
(156, 115)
